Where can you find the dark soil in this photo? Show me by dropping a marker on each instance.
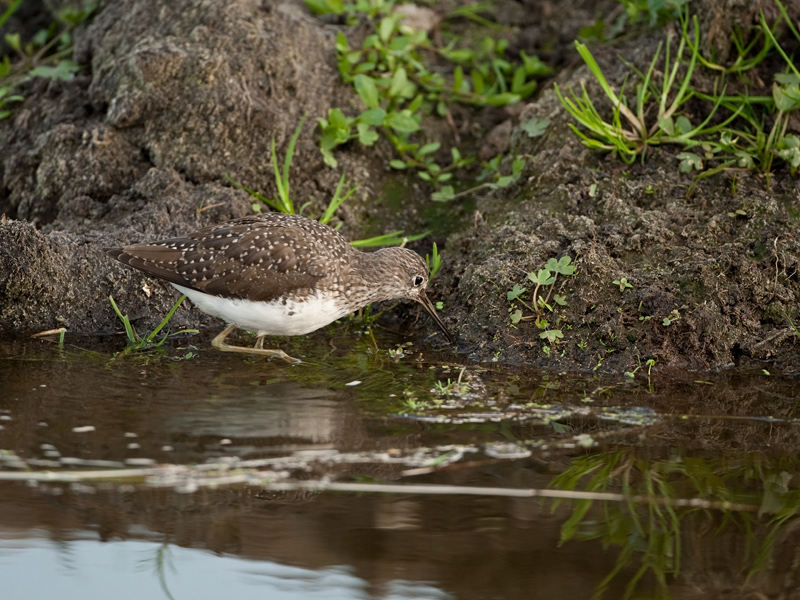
(176, 94)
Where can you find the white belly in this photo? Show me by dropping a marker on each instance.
(292, 318)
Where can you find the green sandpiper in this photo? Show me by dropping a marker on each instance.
(279, 274)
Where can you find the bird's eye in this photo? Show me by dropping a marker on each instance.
(418, 281)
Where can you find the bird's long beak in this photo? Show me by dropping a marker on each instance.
(423, 299)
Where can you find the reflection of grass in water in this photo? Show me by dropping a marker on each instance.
(647, 527)
(161, 561)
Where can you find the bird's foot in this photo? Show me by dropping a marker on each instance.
(219, 343)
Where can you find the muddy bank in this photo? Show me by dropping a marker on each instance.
(175, 95)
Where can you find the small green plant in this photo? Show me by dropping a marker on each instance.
(545, 277)
(135, 342)
(552, 335)
(671, 318)
(628, 133)
(535, 127)
(433, 261)
(451, 388)
(752, 135)
(491, 169)
(635, 13)
(283, 203)
(413, 405)
(623, 284)
(649, 364)
(45, 55)
(392, 75)
(5, 99)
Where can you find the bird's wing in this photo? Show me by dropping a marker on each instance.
(251, 258)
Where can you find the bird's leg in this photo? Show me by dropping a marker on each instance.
(219, 343)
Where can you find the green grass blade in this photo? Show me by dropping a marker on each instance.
(336, 201)
(161, 325)
(133, 338)
(254, 194)
(9, 11)
(771, 36)
(395, 238)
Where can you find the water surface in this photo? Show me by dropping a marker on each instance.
(158, 475)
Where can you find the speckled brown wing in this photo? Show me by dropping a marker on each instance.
(257, 258)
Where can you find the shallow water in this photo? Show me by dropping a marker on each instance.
(155, 475)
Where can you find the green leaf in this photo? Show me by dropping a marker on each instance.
(71, 16)
(399, 82)
(666, 124)
(386, 27)
(683, 125)
(515, 292)
(64, 71)
(416, 103)
(477, 81)
(332, 137)
(534, 65)
(6, 90)
(397, 164)
(516, 166)
(367, 90)
(783, 101)
(338, 120)
(328, 158)
(744, 160)
(373, 116)
(364, 67)
(535, 127)
(787, 78)
(428, 148)
(593, 31)
(444, 194)
(341, 43)
(689, 161)
(13, 40)
(789, 150)
(551, 335)
(401, 122)
(563, 265)
(458, 79)
(527, 89)
(518, 80)
(542, 277)
(325, 7)
(459, 56)
(366, 135)
(516, 316)
(503, 99)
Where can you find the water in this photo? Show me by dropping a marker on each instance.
(208, 441)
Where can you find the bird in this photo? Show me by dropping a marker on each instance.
(279, 274)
